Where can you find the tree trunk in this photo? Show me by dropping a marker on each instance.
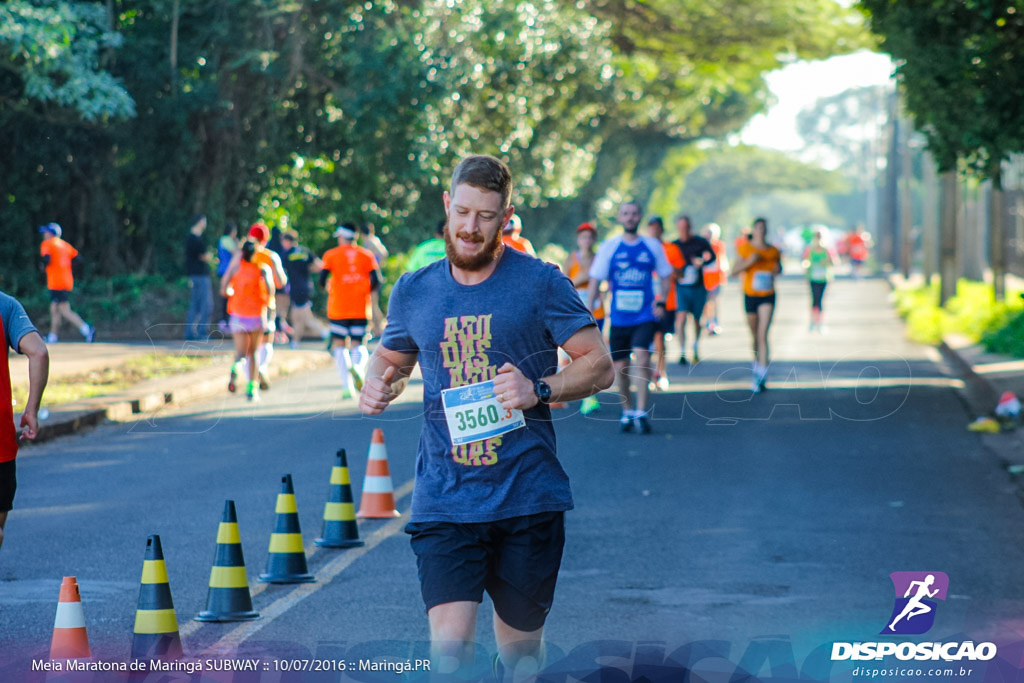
(948, 215)
(929, 218)
(175, 18)
(906, 204)
(997, 232)
(888, 231)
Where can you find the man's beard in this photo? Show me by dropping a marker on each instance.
(471, 263)
(633, 230)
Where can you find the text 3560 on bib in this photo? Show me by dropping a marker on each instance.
(474, 413)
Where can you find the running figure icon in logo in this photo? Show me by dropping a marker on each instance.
(919, 591)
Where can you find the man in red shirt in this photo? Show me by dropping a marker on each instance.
(19, 334)
(58, 256)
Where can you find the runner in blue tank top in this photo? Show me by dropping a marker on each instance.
(629, 262)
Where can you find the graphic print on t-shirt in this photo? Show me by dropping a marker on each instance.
(467, 339)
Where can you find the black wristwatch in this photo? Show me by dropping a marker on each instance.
(542, 391)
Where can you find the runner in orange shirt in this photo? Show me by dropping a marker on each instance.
(667, 325)
(759, 262)
(249, 296)
(58, 256)
(263, 256)
(713, 275)
(352, 278)
(511, 235)
(577, 267)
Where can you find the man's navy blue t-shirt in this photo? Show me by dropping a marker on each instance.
(462, 334)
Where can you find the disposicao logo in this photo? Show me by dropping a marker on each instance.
(916, 595)
(913, 613)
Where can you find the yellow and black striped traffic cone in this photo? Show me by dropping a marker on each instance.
(339, 529)
(156, 624)
(287, 561)
(228, 598)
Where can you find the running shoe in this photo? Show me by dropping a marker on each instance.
(696, 356)
(346, 394)
(755, 386)
(590, 405)
(642, 425)
(264, 382)
(626, 424)
(715, 330)
(232, 386)
(682, 360)
(357, 377)
(90, 337)
(662, 383)
(293, 344)
(51, 338)
(252, 392)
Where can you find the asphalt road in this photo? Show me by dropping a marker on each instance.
(746, 532)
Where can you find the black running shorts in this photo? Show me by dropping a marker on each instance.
(348, 328)
(515, 560)
(8, 484)
(752, 303)
(622, 340)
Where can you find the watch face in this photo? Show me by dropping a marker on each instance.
(542, 390)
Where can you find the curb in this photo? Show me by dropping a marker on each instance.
(980, 394)
(151, 395)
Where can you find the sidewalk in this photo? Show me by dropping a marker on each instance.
(67, 359)
(986, 377)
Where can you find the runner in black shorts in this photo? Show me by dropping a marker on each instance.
(489, 499)
(631, 262)
(667, 325)
(759, 262)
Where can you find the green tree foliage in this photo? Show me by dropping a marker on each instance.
(961, 68)
(50, 56)
(329, 110)
(731, 174)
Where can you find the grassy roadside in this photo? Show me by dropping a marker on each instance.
(68, 388)
(973, 313)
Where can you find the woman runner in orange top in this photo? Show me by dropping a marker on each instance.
(759, 262)
(249, 295)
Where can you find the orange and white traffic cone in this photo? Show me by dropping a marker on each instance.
(378, 500)
(70, 640)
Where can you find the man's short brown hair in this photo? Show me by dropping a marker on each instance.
(485, 173)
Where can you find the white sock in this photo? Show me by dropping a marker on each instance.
(359, 357)
(243, 366)
(265, 353)
(342, 359)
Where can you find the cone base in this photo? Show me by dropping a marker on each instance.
(286, 578)
(378, 515)
(327, 543)
(226, 616)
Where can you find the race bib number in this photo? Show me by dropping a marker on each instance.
(819, 273)
(629, 300)
(763, 281)
(474, 413)
(689, 276)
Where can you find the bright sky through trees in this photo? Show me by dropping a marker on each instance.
(798, 85)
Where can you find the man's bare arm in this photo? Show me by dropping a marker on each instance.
(32, 346)
(386, 377)
(589, 372)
